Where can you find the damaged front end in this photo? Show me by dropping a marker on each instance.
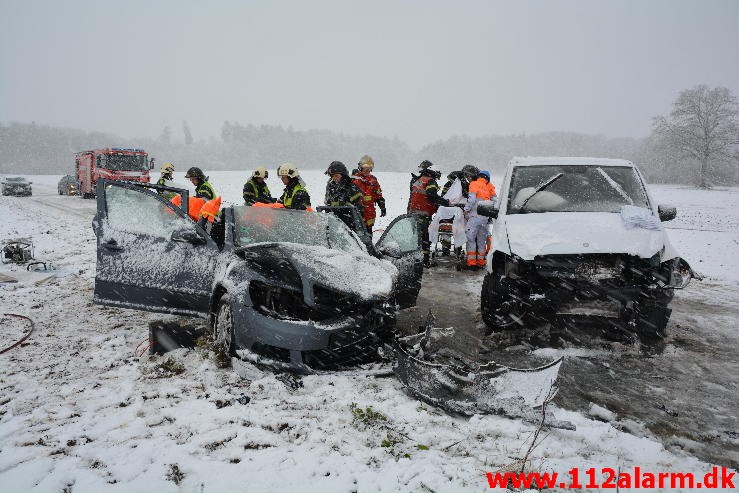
(632, 290)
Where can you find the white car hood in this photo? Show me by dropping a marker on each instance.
(554, 233)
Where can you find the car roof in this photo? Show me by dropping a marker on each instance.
(568, 161)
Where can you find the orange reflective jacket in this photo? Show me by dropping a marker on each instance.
(482, 189)
(194, 205)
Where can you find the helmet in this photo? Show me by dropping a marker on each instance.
(195, 173)
(366, 162)
(337, 167)
(260, 172)
(470, 171)
(287, 169)
(484, 173)
(425, 164)
(167, 168)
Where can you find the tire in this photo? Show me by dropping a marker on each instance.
(492, 296)
(223, 327)
(651, 322)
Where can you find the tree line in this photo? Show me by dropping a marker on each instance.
(697, 144)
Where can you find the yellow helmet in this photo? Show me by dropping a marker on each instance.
(260, 172)
(287, 169)
(366, 162)
(167, 168)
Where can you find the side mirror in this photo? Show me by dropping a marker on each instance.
(666, 213)
(151, 163)
(187, 236)
(487, 208)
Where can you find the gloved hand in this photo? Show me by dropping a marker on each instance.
(381, 205)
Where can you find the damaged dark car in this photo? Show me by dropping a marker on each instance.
(294, 287)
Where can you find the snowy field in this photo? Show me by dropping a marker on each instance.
(80, 413)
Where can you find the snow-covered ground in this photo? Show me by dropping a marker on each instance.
(79, 412)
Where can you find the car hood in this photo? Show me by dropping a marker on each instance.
(357, 274)
(554, 233)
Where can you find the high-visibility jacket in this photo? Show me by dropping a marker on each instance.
(424, 196)
(371, 194)
(194, 204)
(256, 192)
(482, 189)
(343, 193)
(295, 196)
(205, 191)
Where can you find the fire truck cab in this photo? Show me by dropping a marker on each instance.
(112, 163)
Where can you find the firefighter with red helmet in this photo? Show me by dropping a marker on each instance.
(371, 191)
(423, 202)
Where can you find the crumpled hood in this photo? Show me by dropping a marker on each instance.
(356, 274)
(554, 233)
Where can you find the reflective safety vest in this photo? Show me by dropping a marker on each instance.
(482, 189)
(419, 202)
(289, 194)
(205, 190)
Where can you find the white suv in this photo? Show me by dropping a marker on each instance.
(579, 236)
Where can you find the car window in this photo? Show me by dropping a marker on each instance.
(401, 237)
(254, 225)
(578, 189)
(139, 211)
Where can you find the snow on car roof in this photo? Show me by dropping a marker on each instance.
(568, 161)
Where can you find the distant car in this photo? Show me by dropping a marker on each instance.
(68, 185)
(15, 186)
(297, 287)
(579, 237)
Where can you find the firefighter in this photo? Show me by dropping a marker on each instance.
(340, 190)
(256, 190)
(423, 202)
(203, 189)
(465, 175)
(371, 191)
(477, 226)
(166, 179)
(295, 195)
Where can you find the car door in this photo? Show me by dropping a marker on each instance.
(400, 243)
(150, 254)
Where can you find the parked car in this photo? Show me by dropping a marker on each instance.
(579, 237)
(294, 286)
(15, 186)
(68, 185)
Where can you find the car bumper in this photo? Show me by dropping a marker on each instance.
(322, 344)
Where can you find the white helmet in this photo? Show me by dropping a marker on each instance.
(287, 169)
(260, 172)
(167, 168)
(366, 162)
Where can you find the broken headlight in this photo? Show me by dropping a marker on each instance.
(680, 273)
(277, 301)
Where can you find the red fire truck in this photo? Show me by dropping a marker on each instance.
(113, 163)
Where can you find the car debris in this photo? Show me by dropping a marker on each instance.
(17, 251)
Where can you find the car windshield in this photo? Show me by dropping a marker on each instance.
(253, 225)
(124, 162)
(18, 180)
(574, 189)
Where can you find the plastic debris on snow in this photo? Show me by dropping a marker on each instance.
(639, 217)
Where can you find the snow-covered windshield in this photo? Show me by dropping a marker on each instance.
(253, 225)
(18, 180)
(578, 189)
(124, 162)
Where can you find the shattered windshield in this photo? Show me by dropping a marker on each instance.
(578, 189)
(124, 162)
(253, 225)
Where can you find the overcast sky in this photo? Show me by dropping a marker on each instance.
(418, 70)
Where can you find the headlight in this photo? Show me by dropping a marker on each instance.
(277, 302)
(680, 273)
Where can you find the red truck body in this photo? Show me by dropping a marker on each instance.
(113, 163)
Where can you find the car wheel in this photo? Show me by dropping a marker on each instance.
(223, 327)
(498, 309)
(651, 322)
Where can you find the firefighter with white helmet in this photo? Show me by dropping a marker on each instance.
(256, 189)
(295, 195)
(167, 171)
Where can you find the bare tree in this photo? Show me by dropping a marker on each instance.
(186, 131)
(703, 126)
